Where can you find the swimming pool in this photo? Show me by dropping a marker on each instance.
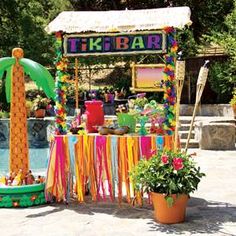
(38, 160)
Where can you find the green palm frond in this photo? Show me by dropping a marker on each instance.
(8, 84)
(40, 75)
(5, 63)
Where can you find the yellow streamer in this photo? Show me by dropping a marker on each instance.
(153, 143)
(130, 145)
(91, 168)
(79, 169)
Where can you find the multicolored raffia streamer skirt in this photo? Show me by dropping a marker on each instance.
(100, 164)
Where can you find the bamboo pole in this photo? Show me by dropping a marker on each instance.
(201, 82)
(90, 86)
(180, 74)
(133, 74)
(76, 86)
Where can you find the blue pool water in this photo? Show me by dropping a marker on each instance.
(38, 160)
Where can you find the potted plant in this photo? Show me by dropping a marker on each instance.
(4, 114)
(169, 177)
(39, 106)
(233, 102)
(29, 105)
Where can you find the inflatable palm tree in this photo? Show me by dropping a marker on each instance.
(15, 68)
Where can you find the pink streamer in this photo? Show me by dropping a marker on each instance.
(100, 143)
(56, 166)
(62, 165)
(107, 172)
(146, 146)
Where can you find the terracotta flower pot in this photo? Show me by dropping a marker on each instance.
(169, 215)
(40, 113)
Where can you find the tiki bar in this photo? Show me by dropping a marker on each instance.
(99, 159)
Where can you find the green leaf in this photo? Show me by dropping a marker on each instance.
(40, 75)
(5, 63)
(8, 84)
(169, 200)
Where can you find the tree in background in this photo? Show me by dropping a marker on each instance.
(206, 15)
(23, 22)
(223, 75)
(22, 25)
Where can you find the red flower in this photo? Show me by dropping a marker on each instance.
(165, 159)
(160, 131)
(153, 130)
(58, 34)
(178, 163)
(153, 152)
(33, 197)
(166, 70)
(168, 29)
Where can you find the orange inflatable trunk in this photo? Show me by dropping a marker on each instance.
(18, 121)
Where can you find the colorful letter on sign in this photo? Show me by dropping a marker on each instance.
(120, 43)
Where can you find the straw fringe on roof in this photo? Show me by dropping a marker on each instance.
(119, 21)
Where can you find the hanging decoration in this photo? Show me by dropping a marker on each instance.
(169, 83)
(61, 64)
(101, 165)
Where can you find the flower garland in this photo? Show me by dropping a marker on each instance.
(61, 64)
(22, 200)
(169, 83)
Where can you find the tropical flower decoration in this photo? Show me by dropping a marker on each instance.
(156, 115)
(167, 172)
(61, 64)
(169, 83)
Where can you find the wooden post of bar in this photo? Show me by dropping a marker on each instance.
(90, 78)
(133, 75)
(76, 86)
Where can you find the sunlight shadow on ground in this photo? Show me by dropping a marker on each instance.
(124, 210)
(44, 213)
(203, 217)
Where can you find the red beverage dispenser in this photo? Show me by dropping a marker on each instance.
(95, 115)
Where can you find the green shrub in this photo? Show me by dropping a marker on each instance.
(233, 99)
(221, 80)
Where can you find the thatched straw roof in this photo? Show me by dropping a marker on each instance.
(119, 21)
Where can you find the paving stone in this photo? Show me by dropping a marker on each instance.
(217, 136)
(211, 210)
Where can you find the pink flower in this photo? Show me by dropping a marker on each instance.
(165, 159)
(153, 152)
(178, 163)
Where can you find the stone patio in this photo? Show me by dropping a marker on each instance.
(211, 210)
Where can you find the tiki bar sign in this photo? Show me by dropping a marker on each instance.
(140, 42)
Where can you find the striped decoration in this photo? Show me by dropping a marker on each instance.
(100, 162)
